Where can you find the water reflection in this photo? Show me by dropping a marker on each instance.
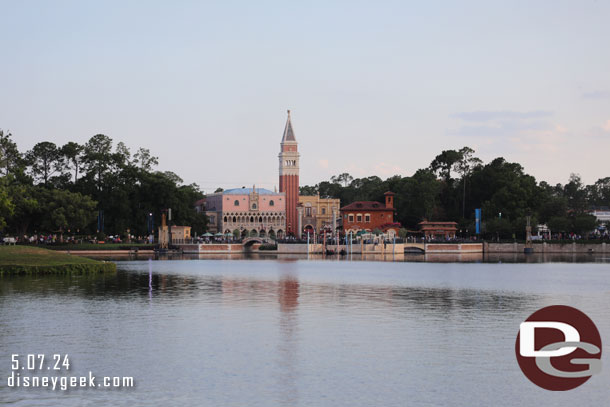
(254, 291)
(293, 332)
(288, 298)
(407, 257)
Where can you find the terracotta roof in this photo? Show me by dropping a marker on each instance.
(366, 206)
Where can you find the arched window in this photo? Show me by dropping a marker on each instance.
(251, 219)
(225, 219)
(253, 206)
(260, 219)
(234, 219)
(271, 203)
(236, 203)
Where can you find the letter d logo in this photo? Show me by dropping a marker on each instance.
(565, 336)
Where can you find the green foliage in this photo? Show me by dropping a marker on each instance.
(498, 227)
(583, 224)
(7, 207)
(69, 185)
(44, 160)
(402, 233)
(559, 224)
(53, 189)
(67, 211)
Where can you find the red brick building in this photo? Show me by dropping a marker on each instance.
(370, 215)
(289, 175)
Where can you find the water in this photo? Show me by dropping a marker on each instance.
(298, 333)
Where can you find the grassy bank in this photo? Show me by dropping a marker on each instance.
(98, 246)
(34, 260)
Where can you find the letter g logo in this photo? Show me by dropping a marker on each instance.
(553, 346)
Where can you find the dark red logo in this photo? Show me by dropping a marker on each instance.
(559, 348)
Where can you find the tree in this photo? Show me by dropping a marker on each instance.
(464, 167)
(122, 155)
(144, 160)
(498, 227)
(9, 154)
(307, 190)
(344, 179)
(98, 158)
(7, 207)
(559, 224)
(444, 163)
(402, 233)
(584, 224)
(27, 209)
(599, 193)
(45, 159)
(576, 194)
(72, 153)
(67, 211)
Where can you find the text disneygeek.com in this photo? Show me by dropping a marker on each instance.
(24, 366)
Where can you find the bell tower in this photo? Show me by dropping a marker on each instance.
(289, 176)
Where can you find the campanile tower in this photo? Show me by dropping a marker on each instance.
(289, 176)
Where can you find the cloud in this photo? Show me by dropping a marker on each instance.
(493, 115)
(504, 131)
(606, 126)
(599, 94)
(500, 129)
(384, 169)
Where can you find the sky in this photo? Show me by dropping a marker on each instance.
(375, 88)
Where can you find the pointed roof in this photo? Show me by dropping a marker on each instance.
(288, 132)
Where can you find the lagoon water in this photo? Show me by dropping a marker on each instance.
(297, 332)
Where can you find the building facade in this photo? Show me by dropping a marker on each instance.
(252, 211)
(318, 214)
(438, 230)
(289, 175)
(369, 215)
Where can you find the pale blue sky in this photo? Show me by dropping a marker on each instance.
(375, 87)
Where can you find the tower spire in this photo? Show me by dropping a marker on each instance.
(288, 131)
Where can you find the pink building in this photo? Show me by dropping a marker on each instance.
(252, 211)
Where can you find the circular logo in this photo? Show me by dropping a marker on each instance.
(558, 348)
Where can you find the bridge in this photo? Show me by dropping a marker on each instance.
(415, 247)
(251, 240)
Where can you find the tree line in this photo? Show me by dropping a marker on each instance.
(86, 189)
(99, 187)
(456, 182)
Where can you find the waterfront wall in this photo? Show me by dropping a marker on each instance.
(213, 248)
(433, 248)
(380, 248)
(566, 248)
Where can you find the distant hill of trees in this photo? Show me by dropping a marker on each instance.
(63, 189)
(51, 189)
(456, 182)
